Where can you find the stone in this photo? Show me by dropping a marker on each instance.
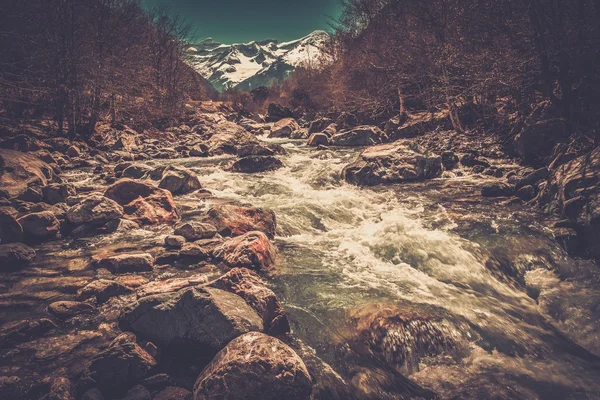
(31, 194)
(173, 393)
(252, 164)
(254, 366)
(196, 230)
(11, 230)
(319, 125)
(125, 263)
(15, 255)
(526, 193)
(318, 139)
(194, 319)
(58, 192)
(254, 149)
(232, 220)
(399, 162)
(103, 290)
(125, 190)
(299, 134)
(174, 241)
(539, 134)
(200, 150)
(92, 394)
(276, 112)
(532, 178)
(284, 128)
(360, 136)
(124, 362)
(449, 160)
(94, 209)
(252, 250)
(227, 137)
(497, 189)
(136, 171)
(39, 226)
(69, 309)
(60, 389)
(16, 332)
(73, 151)
(472, 160)
(253, 289)
(180, 181)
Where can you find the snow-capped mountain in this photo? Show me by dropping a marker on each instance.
(247, 66)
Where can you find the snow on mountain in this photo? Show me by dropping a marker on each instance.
(246, 66)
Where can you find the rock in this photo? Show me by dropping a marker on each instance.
(317, 139)
(73, 151)
(284, 128)
(18, 171)
(359, 136)
(254, 149)
(123, 363)
(276, 112)
(180, 181)
(192, 319)
(254, 366)
(231, 220)
(125, 190)
(471, 160)
(60, 389)
(102, 290)
(252, 288)
(412, 125)
(11, 230)
(58, 193)
(92, 394)
(227, 137)
(539, 134)
(96, 210)
(299, 134)
(15, 255)
(157, 382)
(194, 251)
(196, 230)
(175, 241)
(16, 332)
(22, 142)
(526, 193)
(125, 263)
(138, 392)
(69, 309)
(174, 393)
(253, 164)
(319, 125)
(136, 171)
(39, 226)
(31, 195)
(497, 189)
(449, 160)
(533, 177)
(252, 250)
(399, 162)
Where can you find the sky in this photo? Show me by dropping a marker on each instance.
(235, 21)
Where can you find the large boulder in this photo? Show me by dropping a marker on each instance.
(318, 139)
(18, 171)
(15, 255)
(253, 164)
(194, 319)
(254, 366)
(180, 181)
(252, 250)
(254, 149)
(359, 136)
(227, 137)
(39, 226)
(11, 230)
(135, 171)
(284, 128)
(399, 162)
(94, 209)
(319, 125)
(253, 289)
(231, 220)
(276, 112)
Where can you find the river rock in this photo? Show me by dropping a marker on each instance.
(136, 171)
(196, 230)
(125, 263)
(284, 128)
(359, 136)
(58, 192)
(449, 160)
(102, 290)
(227, 137)
(180, 181)
(318, 139)
(15, 255)
(39, 226)
(94, 209)
(254, 149)
(399, 162)
(252, 288)
(192, 319)
(32, 195)
(276, 112)
(231, 220)
(73, 151)
(319, 125)
(69, 309)
(174, 241)
(15, 332)
(472, 160)
(125, 190)
(533, 178)
(11, 230)
(123, 363)
(60, 389)
(526, 193)
(18, 171)
(253, 164)
(497, 189)
(254, 366)
(252, 250)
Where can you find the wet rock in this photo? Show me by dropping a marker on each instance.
(125, 263)
(169, 285)
(39, 226)
(69, 309)
(18, 171)
(231, 220)
(299, 134)
(174, 393)
(317, 139)
(472, 160)
(252, 288)
(252, 250)
(254, 149)
(526, 193)
(399, 162)
(193, 319)
(359, 136)
(478, 169)
(319, 125)
(102, 290)
(175, 241)
(94, 209)
(23, 331)
(15, 255)
(276, 112)
(123, 363)
(31, 195)
(533, 178)
(253, 164)
(73, 151)
(497, 189)
(125, 190)
(449, 160)
(196, 230)
(227, 137)
(284, 128)
(136, 171)
(254, 366)
(58, 193)
(180, 181)
(11, 230)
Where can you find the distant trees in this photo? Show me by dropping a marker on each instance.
(81, 60)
